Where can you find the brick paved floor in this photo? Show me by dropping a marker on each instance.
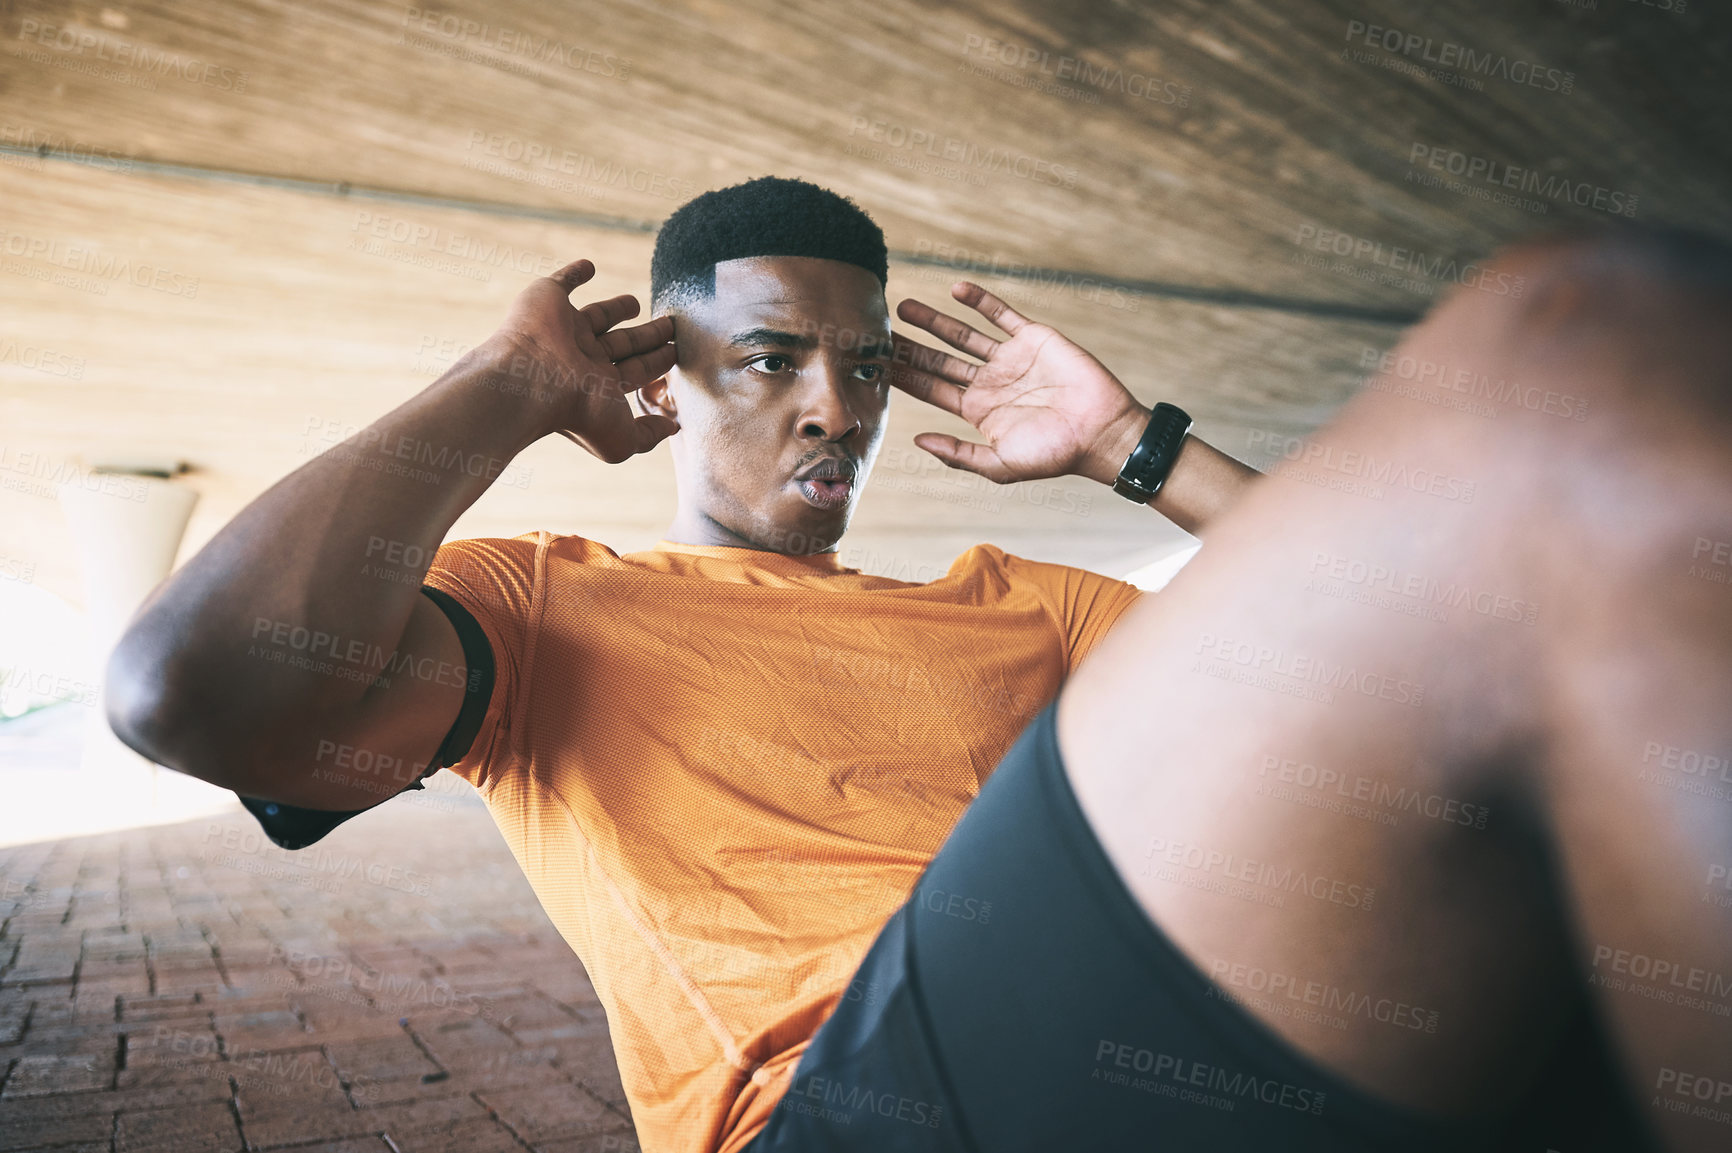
(395, 987)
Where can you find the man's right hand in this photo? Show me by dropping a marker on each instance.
(574, 360)
(186, 686)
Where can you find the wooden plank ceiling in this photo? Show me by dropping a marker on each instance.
(1170, 166)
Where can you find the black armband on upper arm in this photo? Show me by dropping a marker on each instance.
(292, 827)
(478, 661)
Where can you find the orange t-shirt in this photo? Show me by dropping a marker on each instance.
(722, 769)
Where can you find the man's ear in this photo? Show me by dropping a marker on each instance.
(657, 398)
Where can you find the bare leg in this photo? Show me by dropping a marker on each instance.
(1299, 769)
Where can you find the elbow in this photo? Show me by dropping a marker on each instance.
(151, 706)
(138, 702)
(149, 717)
(173, 707)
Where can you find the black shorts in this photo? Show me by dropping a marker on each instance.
(1023, 1000)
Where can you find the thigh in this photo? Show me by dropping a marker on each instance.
(1417, 723)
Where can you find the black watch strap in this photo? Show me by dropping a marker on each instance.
(1151, 462)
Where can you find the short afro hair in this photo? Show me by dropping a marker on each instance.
(769, 216)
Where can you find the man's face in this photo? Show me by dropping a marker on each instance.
(780, 391)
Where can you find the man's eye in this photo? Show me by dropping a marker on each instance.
(872, 372)
(774, 364)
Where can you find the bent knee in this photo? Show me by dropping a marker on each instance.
(1599, 274)
(1630, 316)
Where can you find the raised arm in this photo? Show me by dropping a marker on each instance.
(1048, 408)
(269, 644)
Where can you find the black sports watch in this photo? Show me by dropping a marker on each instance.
(1146, 469)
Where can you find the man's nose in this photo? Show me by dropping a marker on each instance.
(828, 413)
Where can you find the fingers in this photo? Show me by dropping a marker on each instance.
(623, 342)
(652, 429)
(604, 314)
(931, 360)
(931, 389)
(912, 370)
(637, 371)
(980, 459)
(989, 306)
(947, 328)
(576, 273)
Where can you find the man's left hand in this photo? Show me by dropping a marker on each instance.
(1046, 406)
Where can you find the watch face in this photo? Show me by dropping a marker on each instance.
(1146, 469)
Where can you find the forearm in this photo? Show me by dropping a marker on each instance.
(324, 566)
(1203, 483)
